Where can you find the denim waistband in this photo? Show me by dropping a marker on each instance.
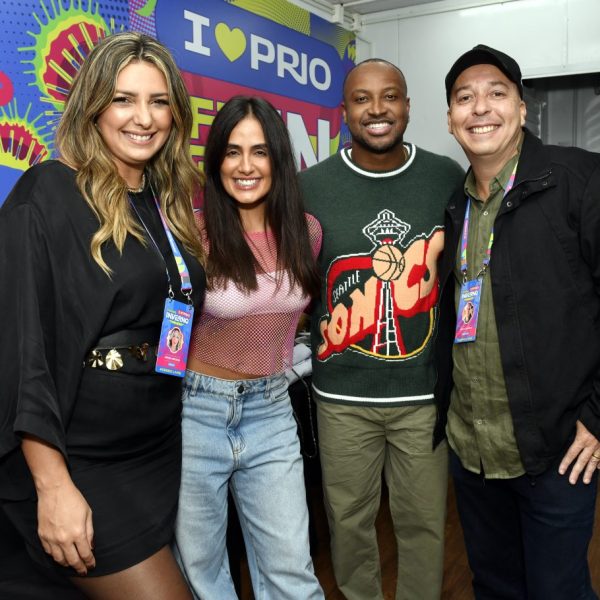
(234, 387)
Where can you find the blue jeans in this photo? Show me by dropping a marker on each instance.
(242, 435)
(527, 538)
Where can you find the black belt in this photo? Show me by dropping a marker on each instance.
(128, 351)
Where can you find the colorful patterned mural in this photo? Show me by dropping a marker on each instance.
(223, 47)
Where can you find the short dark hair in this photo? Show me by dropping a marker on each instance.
(372, 60)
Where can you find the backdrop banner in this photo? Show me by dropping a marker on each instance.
(270, 48)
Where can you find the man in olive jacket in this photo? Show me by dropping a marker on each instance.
(520, 378)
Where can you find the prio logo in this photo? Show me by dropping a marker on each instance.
(287, 61)
(232, 44)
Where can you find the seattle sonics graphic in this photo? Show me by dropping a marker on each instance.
(369, 296)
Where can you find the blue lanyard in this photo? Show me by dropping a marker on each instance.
(465, 235)
(186, 282)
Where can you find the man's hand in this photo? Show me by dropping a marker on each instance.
(584, 454)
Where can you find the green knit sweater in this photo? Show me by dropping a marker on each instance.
(374, 324)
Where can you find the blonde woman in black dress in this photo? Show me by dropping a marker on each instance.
(90, 440)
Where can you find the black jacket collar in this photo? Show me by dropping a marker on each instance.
(534, 173)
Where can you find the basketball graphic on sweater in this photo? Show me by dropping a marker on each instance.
(388, 262)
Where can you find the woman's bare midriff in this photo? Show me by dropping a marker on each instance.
(198, 366)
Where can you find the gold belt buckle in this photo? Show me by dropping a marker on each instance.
(114, 360)
(140, 352)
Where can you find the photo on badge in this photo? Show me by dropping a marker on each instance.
(175, 335)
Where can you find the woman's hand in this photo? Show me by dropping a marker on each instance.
(64, 517)
(65, 526)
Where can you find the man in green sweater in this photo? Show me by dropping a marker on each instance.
(381, 207)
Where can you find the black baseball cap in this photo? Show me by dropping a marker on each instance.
(484, 55)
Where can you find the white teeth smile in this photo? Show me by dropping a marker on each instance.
(485, 129)
(139, 138)
(377, 126)
(246, 182)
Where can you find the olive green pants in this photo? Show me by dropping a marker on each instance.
(357, 445)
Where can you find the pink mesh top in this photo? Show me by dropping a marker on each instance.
(252, 332)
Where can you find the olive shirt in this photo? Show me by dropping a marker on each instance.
(480, 427)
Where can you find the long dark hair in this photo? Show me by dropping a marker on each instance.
(230, 256)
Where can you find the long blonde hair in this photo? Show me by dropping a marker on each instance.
(171, 171)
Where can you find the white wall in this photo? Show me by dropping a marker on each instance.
(546, 37)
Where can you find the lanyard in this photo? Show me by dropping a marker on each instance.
(465, 235)
(186, 283)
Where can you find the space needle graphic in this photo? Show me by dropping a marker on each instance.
(387, 233)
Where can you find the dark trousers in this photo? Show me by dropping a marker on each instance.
(527, 538)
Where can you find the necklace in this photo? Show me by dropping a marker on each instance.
(141, 188)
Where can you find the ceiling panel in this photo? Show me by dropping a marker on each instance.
(365, 7)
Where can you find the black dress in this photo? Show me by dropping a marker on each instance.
(120, 433)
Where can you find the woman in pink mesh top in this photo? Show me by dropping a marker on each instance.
(238, 428)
